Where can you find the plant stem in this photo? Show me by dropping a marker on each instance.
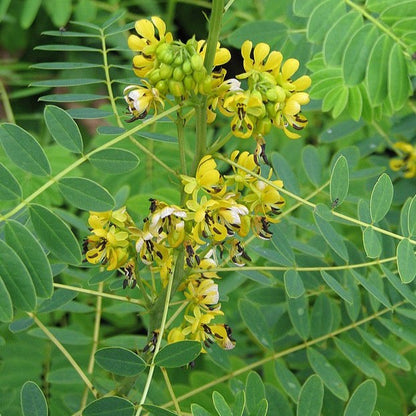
(96, 335)
(180, 128)
(201, 107)
(162, 313)
(65, 352)
(6, 103)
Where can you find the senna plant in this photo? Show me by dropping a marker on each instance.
(211, 223)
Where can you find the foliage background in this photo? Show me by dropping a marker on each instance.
(288, 324)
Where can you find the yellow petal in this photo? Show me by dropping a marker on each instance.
(292, 107)
(289, 68)
(245, 53)
(160, 26)
(302, 83)
(290, 134)
(260, 52)
(145, 29)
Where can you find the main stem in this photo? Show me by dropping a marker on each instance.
(201, 107)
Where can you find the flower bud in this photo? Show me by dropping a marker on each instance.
(187, 67)
(197, 62)
(162, 87)
(189, 83)
(178, 74)
(176, 88)
(178, 59)
(154, 76)
(199, 76)
(165, 71)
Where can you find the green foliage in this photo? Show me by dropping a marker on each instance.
(323, 315)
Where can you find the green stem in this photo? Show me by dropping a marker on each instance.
(219, 143)
(158, 317)
(170, 14)
(6, 103)
(201, 108)
(180, 128)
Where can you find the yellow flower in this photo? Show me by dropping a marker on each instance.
(259, 63)
(260, 227)
(242, 178)
(245, 108)
(147, 42)
(109, 247)
(406, 163)
(175, 335)
(196, 323)
(221, 334)
(203, 292)
(141, 99)
(207, 177)
(222, 55)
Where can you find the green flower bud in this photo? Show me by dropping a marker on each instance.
(178, 74)
(154, 76)
(189, 83)
(161, 50)
(162, 87)
(178, 60)
(165, 71)
(197, 62)
(176, 88)
(199, 76)
(187, 67)
(272, 94)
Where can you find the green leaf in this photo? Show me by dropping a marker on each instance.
(9, 187)
(298, 314)
(55, 234)
(64, 65)
(360, 359)
(399, 286)
(262, 407)
(312, 164)
(255, 321)
(304, 8)
(372, 289)
(285, 172)
(385, 351)
(23, 242)
(338, 35)
(311, 397)
(328, 374)
(32, 400)
(158, 411)
(282, 246)
(221, 405)
(255, 391)
(85, 113)
(198, 410)
(156, 136)
(120, 361)
(355, 103)
(59, 298)
(381, 197)
(411, 218)
(109, 406)
(64, 335)
(258, 31)
(21, 324)
(322, 18)
(115, 161)
(376, 78)
(62, 47)
(398, 78)
(69, 34)
(322, 316)
(23, 150)
(336, 287)
(404, 333)
(71, 98)
(363, 400)
(63, 128)
(17, 279)
(86, 194)
(6, 306)
(339, 181)
(372, 243)
(239, 403)
(28, 12)
(59, 15)
(178, 354)
(333, 239)
(293, 284)
(356, 54)
(71, 82)
(288, 381)
(340, 131)
(406, 261)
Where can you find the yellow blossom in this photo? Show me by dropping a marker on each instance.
(407, 162)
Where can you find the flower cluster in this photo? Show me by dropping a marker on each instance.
(407, 162)
(170, 66)
(271, 98)
(219, 213)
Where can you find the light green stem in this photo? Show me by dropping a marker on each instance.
(201, 108)
(6, 103)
